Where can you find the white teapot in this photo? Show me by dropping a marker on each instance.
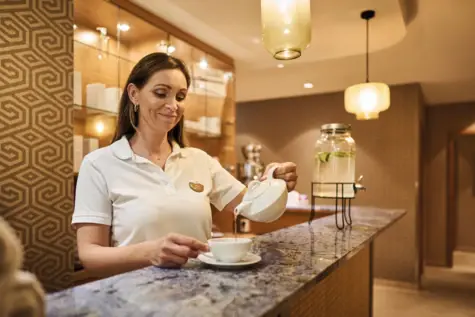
(264, 201)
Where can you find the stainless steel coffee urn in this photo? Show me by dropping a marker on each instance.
(253, 167)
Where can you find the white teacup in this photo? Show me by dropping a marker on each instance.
(229, 250)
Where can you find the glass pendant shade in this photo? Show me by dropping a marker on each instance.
(286, 27)
(367, 100)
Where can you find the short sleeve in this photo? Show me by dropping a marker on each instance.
(92, 203)
(225, 186)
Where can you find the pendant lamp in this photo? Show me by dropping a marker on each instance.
(368, 99)
(286, 27)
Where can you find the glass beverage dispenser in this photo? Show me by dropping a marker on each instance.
(334, 162)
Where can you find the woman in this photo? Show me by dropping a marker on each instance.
(145, 199)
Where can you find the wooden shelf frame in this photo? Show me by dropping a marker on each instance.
(171, 29)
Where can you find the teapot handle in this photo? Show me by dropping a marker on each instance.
(270, 172)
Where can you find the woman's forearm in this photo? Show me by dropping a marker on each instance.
(101, 261)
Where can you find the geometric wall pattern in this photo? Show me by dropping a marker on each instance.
(36, 133)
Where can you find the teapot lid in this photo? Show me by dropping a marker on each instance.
(256, 189)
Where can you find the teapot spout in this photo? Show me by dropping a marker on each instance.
(242, 208)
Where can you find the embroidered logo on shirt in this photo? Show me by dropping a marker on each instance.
(197, 187)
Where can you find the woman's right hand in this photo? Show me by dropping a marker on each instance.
(174, 250)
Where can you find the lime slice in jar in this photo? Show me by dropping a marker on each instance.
(341, 154)
(324, 156)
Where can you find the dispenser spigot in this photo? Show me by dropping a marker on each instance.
(359, 185)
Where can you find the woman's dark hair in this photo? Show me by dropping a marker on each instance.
(139, 76)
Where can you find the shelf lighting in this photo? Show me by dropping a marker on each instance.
(124, 27)
(227, 76)
(102, 30)
(286, 27)
(103, 42)
(99, 127)
(203, 64)
(171, 49)
(367, 100)
(87, 37)
(165, 47)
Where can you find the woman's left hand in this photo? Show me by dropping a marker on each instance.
(286, 171)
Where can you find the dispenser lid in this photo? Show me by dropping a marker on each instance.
(335, 127)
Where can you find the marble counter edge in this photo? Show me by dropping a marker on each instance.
(294, 265)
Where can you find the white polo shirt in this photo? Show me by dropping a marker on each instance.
(141, 201)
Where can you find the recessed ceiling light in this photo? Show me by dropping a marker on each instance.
(123, 27)
(280, 65)
(308, 85)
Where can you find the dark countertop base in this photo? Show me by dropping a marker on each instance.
(291, 259)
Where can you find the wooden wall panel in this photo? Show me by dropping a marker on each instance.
(387, 155)
(345, 292)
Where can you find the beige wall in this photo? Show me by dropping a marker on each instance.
(387, 156)
(441, 122)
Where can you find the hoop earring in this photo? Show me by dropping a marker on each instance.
(133, 115)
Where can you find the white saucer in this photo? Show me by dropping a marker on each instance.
(249, 259)
(217, 234)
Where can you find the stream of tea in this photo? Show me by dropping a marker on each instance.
(235, 224)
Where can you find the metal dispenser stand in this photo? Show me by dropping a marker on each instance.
(342, 203)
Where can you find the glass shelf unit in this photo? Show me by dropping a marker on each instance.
(108, 42)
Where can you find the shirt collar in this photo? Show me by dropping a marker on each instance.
(121, 148)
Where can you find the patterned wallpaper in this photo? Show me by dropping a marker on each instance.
(36, 170)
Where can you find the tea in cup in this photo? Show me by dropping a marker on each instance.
(229, 250)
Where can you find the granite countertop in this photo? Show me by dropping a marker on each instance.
(319, 209)
(291, 258)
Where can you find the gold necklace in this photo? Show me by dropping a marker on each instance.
(158, 158)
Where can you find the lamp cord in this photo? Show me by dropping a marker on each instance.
(367, 51)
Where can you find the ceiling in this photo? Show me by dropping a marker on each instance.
(427, 41)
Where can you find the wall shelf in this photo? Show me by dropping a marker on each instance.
(82, 112)
(106, 53)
